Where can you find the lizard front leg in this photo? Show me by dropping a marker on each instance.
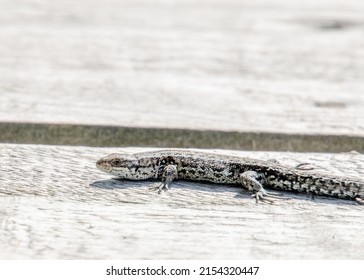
(169, 174)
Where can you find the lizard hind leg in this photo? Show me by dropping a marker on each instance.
(169, 174)
(254, 181)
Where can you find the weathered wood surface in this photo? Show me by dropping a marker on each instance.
(54, 203)
(273, 66)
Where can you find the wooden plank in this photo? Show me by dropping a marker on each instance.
(56, 204)
(246, 66)
(117, 136)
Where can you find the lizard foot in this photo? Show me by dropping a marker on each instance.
(359, 200)
(254, 181)
(158, 187)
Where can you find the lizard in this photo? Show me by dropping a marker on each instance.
(255, 175)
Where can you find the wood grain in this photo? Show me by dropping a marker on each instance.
(256, 66)
(56, 204)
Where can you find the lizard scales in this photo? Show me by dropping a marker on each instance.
(222, 169)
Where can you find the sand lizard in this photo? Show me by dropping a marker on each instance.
(168, 165)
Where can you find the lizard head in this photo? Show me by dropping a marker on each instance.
(123, 165)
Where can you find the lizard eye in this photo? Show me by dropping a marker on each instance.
(116, 162)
